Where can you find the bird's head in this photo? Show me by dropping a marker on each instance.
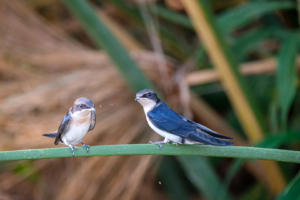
(83, 104)
(147, 98)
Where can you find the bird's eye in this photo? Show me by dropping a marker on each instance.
(81, 105)
(148, 95)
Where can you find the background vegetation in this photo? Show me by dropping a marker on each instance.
(230, 65)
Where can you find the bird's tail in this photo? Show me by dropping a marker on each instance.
(216, 141)
(51, 135)
(206, 138)
(219, 142)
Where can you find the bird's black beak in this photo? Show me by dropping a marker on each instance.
(137, 98)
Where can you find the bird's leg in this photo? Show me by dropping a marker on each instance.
(166, 141)
(85, 145)
(72, 148)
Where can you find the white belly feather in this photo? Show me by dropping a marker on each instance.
(78, 128)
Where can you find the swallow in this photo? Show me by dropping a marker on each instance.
(174, 127)
(77, 122)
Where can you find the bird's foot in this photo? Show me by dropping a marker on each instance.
(86, 146)
(175, 143)
(158, 143)
(72, 148)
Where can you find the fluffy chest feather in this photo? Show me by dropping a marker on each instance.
(78, 127)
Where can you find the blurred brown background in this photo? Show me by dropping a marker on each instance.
(47, 61)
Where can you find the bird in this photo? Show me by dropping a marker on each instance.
(174, 127)
(79, 120)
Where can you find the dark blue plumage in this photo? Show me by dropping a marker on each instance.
(63, 127)
(163, 119)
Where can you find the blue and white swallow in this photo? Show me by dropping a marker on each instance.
(174, 127)
(77, 122)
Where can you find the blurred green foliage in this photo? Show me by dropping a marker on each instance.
(292, 190)
(27, 170)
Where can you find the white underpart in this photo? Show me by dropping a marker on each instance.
(78, 127)
(149, 105)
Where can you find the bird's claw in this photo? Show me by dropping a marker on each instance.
(72, 149)
(175, 143)
(158, 143)
(86, 146)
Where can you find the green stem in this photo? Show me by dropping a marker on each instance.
(150, 149)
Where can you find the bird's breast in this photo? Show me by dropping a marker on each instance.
(81, 118)
(82, 121)
(78, 128)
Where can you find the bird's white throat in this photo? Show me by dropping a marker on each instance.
(82, 113)
(147, 104)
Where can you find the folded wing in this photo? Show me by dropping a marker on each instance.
(93, 122)
(63, 128)
(168, 120)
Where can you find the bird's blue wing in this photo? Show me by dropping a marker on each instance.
(93, 122)
(168, 120)
(207, 130)
(63, 127)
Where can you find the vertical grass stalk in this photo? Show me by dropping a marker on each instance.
(205, 26)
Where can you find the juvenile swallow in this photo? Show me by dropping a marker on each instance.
(174, 127)
(77, 122)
